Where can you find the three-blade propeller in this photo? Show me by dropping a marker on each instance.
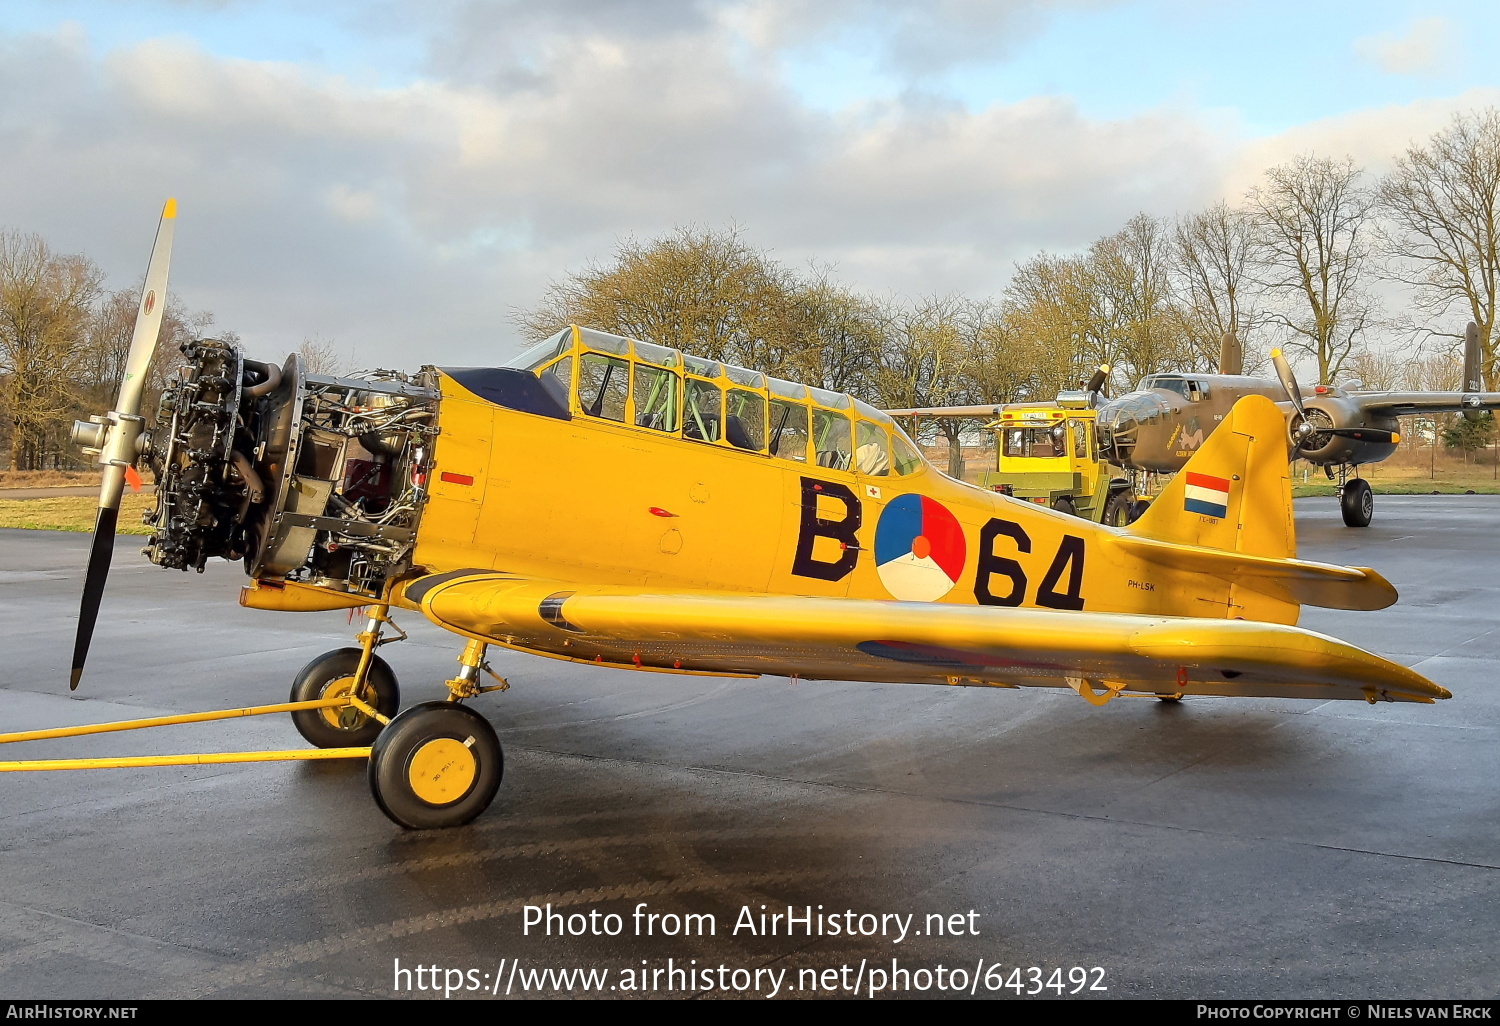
(116, 436)
(1302, 431)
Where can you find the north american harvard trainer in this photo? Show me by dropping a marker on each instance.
(622, 504)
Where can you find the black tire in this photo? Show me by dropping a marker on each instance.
(1174, 699)
(325, 677)
(1064, 504)
(1138, 509)
(438, 764)
(1117, 509)
(1357, 503)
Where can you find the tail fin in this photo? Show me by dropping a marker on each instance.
(1231, 354)
(1235, 493)
(1473, 366)
(1228, 514)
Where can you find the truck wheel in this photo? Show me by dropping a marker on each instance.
(1064, 504)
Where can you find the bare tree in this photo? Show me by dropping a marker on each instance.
(1129, 275)
(45, 305)
(1312, 222)
(927, 362)
(321, 356)
(707, 292)
(1443, 202)
(1050, 300)
(1214, 257)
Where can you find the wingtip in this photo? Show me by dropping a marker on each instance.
(169, 211)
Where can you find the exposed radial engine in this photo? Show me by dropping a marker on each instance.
(306, 477)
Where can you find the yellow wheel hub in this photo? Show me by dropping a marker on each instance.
(347, 718)
(441, 771)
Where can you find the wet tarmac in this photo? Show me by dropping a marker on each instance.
(1214, 848)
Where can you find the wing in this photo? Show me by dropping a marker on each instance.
(1402, 404)
(908, 642)
(948, 411)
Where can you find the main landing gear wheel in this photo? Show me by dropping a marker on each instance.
(436, 765)
(331, 675)
(1357, 502)
(1117, 509)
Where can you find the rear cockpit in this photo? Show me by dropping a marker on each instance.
(580, 372)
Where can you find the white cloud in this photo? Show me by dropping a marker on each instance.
(1426, 46)
(408, 222)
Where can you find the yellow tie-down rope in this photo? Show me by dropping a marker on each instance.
(204, 759)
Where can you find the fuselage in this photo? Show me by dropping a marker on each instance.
(1161, 425)
(637, 465)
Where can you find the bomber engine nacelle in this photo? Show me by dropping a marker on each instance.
(306, 477)
(1341, 433)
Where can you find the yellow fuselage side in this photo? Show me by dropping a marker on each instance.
(590, 501)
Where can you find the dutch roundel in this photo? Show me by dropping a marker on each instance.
(919, 549)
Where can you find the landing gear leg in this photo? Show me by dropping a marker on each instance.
(349, 671)
(439, 764)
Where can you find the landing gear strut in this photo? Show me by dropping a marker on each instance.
(439, 764)
(344, 672)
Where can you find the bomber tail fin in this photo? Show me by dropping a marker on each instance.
(1231, 354)
(1228, 514)
(1473, 365)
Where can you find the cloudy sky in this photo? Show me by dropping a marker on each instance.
(398, 177)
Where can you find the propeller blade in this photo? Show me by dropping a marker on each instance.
(120, 431)
(1302, 429)
(1096, 383)
(93, 589)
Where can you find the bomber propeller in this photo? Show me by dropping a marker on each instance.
(1302, 430)
(117, 437)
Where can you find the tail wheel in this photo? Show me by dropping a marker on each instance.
(1357, 503)
(331, 675)
(436, 765)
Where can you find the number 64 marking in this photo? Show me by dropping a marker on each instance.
(1069, 559)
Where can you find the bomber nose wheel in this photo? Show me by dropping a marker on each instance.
(1357, 502)
(331, 675)
(436, 765)
(1117, 509)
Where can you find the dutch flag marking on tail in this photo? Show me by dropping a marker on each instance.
(1207, 495)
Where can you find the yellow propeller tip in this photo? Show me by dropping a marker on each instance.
(170, 210)
(1395, 437)
(1275, 353)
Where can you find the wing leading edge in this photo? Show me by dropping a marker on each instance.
(910, 642)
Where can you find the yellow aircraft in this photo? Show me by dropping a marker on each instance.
(616, 503)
